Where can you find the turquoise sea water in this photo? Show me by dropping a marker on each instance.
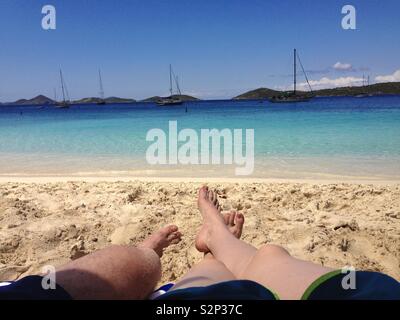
(327, 136)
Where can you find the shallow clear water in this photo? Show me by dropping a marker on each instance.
(334, 136)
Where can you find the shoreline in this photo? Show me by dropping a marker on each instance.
(176, 179)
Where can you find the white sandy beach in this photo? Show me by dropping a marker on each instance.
(50, 220)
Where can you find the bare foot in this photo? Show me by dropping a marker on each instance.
(161, 239)
(235, 222)
(210, 210)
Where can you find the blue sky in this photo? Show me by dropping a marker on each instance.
(218, 48)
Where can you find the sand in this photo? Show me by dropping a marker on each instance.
(334, 224)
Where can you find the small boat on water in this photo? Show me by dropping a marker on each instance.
(169, 101)
(64, 104)
(172, 100)
(287, 98)
(364, 93)
(101, 92)
(294, 96)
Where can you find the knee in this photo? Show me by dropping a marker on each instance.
(141, 270)
(152, 261)
(147, 261)
(273, 250)
(134, 263)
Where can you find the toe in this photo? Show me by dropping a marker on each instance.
(239, 220)
(174, 235)
(226, 218)
(203, 192)
(169, 230)
(215, 198)
(211, 196)
(232, 218)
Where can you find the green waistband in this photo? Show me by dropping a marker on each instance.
(318, 282)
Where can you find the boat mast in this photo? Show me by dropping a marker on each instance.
(62, 85)
(304, 72)
(177, 85)
(170, 79)
(294, 74)
(101, 92)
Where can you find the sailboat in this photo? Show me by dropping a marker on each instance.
(64, 103)
(101, 92)
(294, 96)
(364, 92)
(171, 100)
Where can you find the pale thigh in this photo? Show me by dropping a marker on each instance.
(274, 268)
(207, 272)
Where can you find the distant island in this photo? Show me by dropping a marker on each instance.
(43, 100)
(182, 97)
(40, 99)
(94, 100)
(260, 93)
(373, 90)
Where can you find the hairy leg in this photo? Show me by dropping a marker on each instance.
(271, 266)
(118, 272)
